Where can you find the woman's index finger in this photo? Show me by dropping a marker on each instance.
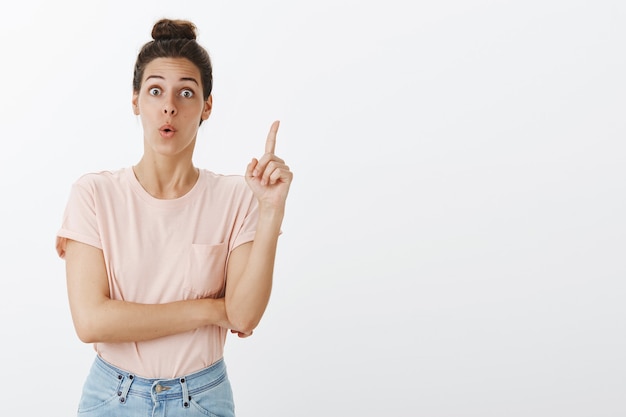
(270, 143)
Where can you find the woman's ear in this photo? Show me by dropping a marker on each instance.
(135, 104)
(208, 105)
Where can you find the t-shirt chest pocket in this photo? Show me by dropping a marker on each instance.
(206, 270)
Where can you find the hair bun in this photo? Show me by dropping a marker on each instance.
(173, 29)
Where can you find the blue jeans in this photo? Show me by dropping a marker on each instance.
(109, 391)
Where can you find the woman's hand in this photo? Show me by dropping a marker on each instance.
(269, 177)
(241, 334)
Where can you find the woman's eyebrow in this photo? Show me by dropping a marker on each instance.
(154, 76)
(190, 79)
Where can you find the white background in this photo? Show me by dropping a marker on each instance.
(455, 237)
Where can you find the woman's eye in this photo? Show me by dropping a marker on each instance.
(155, 91)
(186, 93)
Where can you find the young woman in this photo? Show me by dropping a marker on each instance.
(162, 258)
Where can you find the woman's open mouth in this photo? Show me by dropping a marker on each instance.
(167, 131)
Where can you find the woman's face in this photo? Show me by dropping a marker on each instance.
(171, 106)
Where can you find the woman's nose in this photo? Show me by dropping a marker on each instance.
(169, 108)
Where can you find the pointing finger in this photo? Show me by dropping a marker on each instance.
(270, 143)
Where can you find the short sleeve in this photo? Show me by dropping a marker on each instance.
(247, 230)
(79, 219)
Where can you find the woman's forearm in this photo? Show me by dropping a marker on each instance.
(250, 274)
(122, 321)
(98, 318)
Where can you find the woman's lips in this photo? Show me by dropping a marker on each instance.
(167, 131)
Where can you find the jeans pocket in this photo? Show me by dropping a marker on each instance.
(216, 401)
(96, 395)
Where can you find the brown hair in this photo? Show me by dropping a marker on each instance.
(175, 39)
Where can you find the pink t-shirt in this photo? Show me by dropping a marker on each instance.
(157, 251)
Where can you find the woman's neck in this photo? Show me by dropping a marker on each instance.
(166, 181)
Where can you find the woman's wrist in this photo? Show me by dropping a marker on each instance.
(211, 311)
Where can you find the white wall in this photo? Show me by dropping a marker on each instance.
(455, 236)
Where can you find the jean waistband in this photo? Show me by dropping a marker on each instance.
(169, 388)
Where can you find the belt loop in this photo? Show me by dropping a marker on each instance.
(126, 387)
(186, 397)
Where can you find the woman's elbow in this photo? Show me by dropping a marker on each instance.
(86, 329)
(244, 323)
(85, 335)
